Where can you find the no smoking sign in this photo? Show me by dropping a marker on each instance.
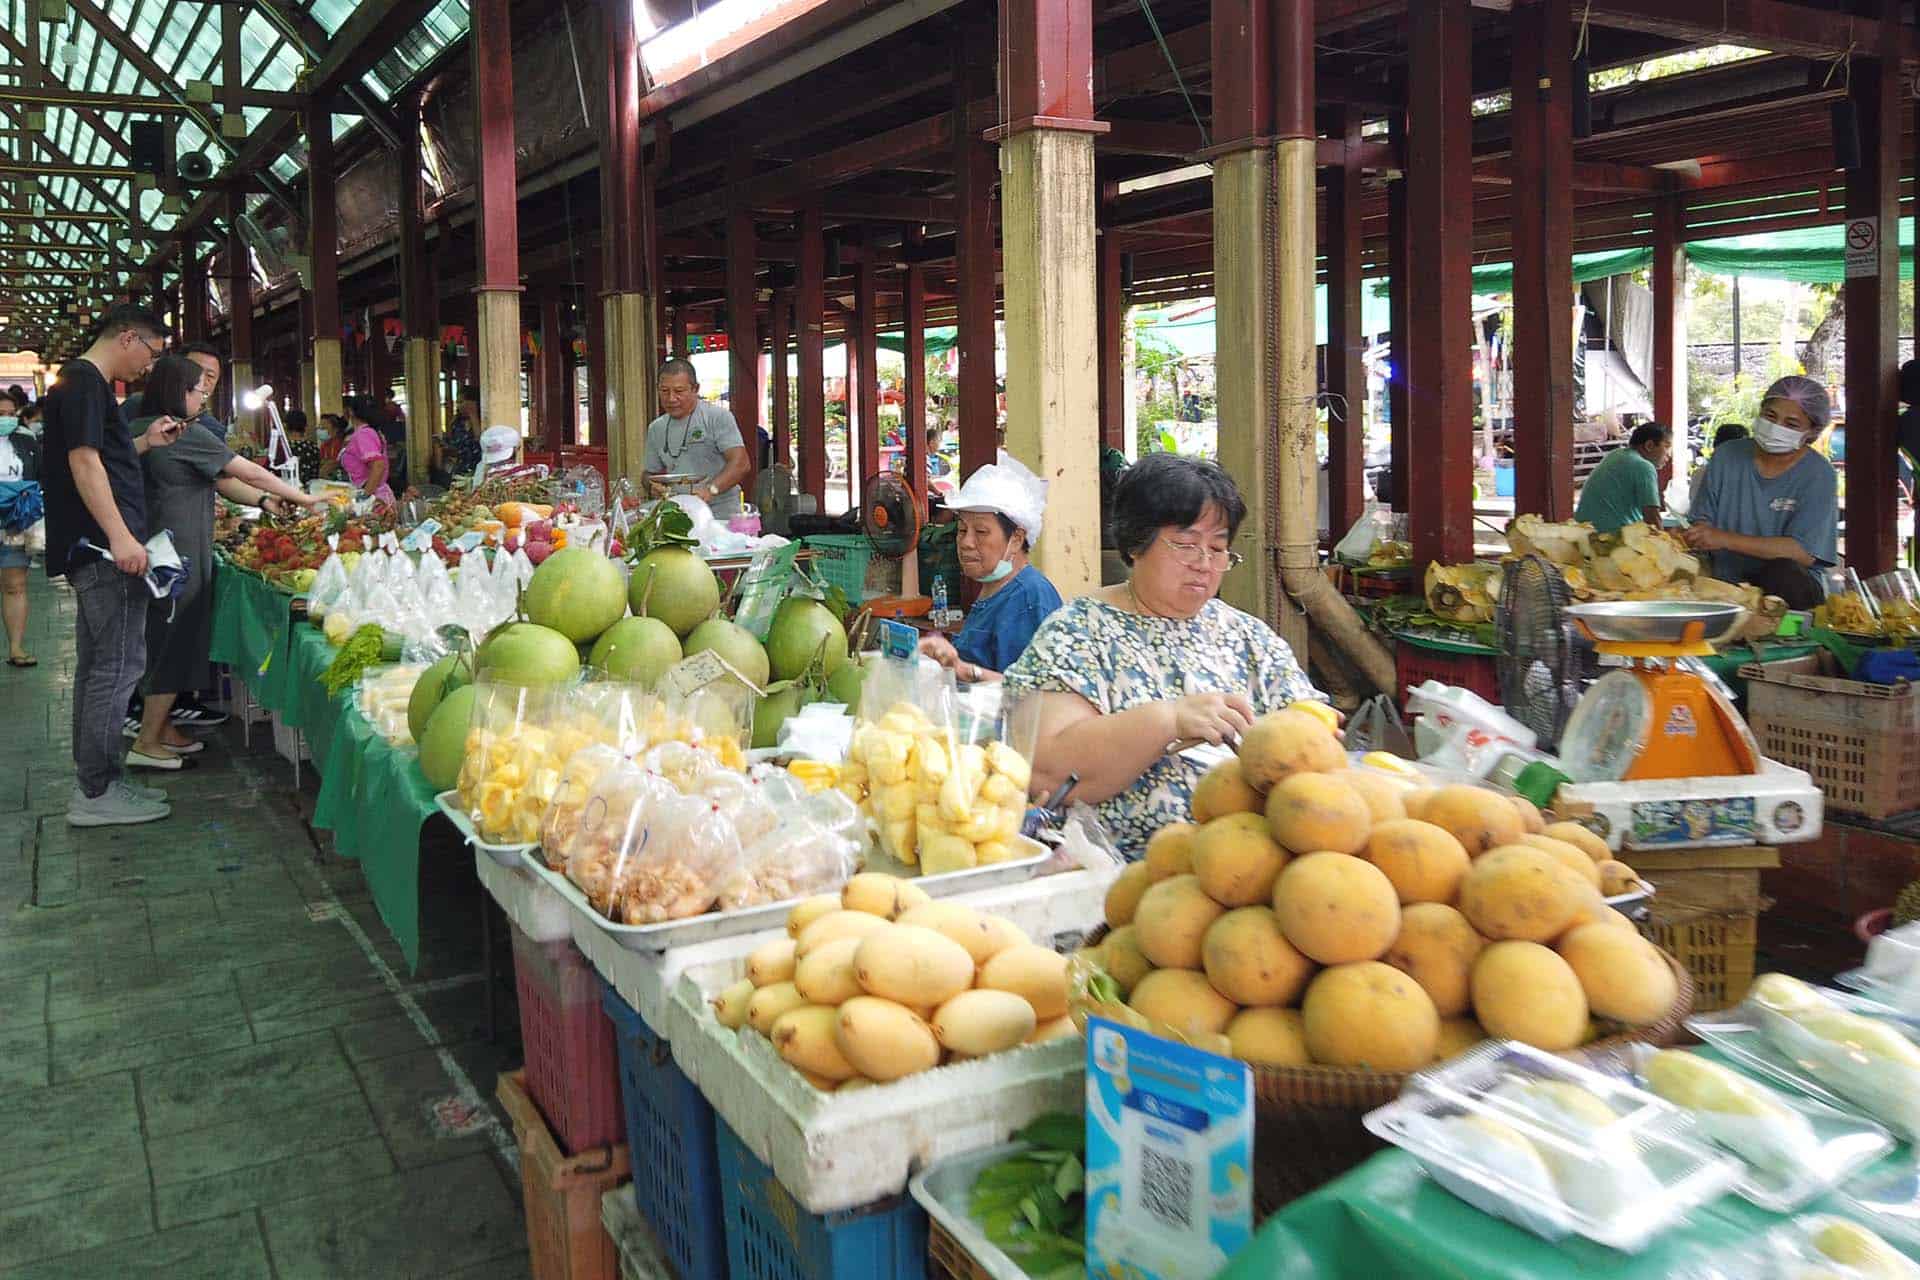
(1863, 247)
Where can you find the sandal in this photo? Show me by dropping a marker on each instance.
(23, 662)
(141, 760)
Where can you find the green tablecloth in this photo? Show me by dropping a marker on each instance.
(372, 796)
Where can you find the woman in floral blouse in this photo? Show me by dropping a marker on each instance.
(1126, 673)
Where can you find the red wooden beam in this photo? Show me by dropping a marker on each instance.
(1872, 309)
(1346, 338)
(1399, 256)
(1668, 274)
(863, 373)
(974, 264)
(779, 328)
(239, 284)
(810, 307)
(323, 220)
(496, 186)
(1542, 122)
(743, 334)
(193, 297)
(913, 416)
(596, 423)
(418, 297)
(626, 258)
(1111, 306)
(550, 374)
(1243, 72)
(1767, 24)
(1046, 49)
(1439, 153)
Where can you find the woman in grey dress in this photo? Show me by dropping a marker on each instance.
(180, 489)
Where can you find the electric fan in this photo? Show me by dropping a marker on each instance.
(1540, 663)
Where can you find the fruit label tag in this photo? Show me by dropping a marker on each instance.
(897, 639)
(1169, 1155)
(468, 541)
(706, 668)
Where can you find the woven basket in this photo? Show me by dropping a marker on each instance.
(1307, 1119)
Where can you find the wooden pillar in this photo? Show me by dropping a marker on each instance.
(810, 317)
(863, 371)
(1872, 307)
(743, 320)
(1048, 207)
(240, 378)
(552, 371)
(1440, 289)
(1669, 274)
(1346, 336)
(1245, 245)
(630, 306)
(595, 427)
(419, 301)
(1399, 324)
(976, 382)
(497, 230)
(913, 409)
(1112, 301)
(323, 248)
(309, 400)
(1542, 201)
(780, 330)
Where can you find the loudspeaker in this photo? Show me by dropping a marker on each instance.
(832, 269)
(1846, 135)
(195, 167)
(147, 147)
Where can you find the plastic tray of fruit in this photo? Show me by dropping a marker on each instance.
(1553, 1147)
(507, 855)
(772, 915)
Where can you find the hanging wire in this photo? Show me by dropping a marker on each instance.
(573, 52)
(1153, 23)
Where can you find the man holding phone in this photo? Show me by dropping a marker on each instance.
(96, 497)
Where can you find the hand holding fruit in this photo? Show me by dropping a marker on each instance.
(1210, 717)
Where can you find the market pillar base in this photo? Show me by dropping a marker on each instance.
(423, 410)
(327, 378)
(499, 356)
(632, 344)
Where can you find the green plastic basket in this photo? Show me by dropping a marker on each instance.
(840, 560)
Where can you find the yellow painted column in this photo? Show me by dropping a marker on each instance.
(1243, 254)
(423, 402)
(246, 424)
(632, 399)
(1052, 318)
(327, 377)
(1295, 491)
(498, 357)
(308, 405)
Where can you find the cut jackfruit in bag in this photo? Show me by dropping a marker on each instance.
(1740, 1114)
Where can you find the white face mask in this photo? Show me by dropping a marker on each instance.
(1774, 438)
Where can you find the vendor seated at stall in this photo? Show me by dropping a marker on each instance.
(1625, 487)
(999, 509)
(1128, 672)
(1768, 507)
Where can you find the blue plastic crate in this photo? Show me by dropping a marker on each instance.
(670, 1131)
(770, 1237)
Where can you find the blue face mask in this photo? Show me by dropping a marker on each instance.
(8, 425)
(999, 571)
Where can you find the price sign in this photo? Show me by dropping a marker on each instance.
(1169, 1155)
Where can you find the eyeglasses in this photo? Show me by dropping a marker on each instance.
(152, 350)
(1193, 554)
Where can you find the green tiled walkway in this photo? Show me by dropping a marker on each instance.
(213, 1062)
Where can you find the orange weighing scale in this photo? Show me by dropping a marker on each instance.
(1661, 716)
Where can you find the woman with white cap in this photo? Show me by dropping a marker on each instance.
(1767, 511)
(999, 507)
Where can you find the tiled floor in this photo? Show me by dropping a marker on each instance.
(213, 1060)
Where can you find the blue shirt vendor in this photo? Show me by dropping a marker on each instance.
(999, 508)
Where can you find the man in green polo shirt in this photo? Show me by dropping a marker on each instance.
(1625, 487)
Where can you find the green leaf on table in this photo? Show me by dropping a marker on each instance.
(1055, 1131)
(1070, 1179)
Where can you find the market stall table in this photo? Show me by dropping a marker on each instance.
(372, 795)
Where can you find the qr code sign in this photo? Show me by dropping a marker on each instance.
(1166, 1187)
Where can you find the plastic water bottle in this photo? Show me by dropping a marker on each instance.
(939, 596)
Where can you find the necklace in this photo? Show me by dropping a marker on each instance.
(666, 443)
(1138, 606)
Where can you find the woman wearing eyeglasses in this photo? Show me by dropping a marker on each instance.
(1130, 671)
(999, 507)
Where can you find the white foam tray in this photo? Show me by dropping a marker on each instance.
(1788, 807)
(944, 1192)
(839, 1151)
(1045, 907)
(507, 855)
(535, 910)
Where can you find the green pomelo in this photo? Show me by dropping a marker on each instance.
(674, 585)
(734, 643)
(638, 649)
(444, 745)
(800, 627)
(526, 653)
(578, 592)
(845, 684)
(434, 684)
(774, 709)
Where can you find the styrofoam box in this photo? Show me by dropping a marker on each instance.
(535, 910)
(839, 1151)
(1045, 907)
(1787, 809)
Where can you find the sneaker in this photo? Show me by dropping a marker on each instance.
(145, 793)
(130, 728)
(118, 806)
(197, 717)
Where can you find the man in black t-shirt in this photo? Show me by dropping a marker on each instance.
(95, 493)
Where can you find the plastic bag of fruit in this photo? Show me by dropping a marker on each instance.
(685, 850)
(518, 741)
(561, 823)
(598, 846)
(796, 859)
